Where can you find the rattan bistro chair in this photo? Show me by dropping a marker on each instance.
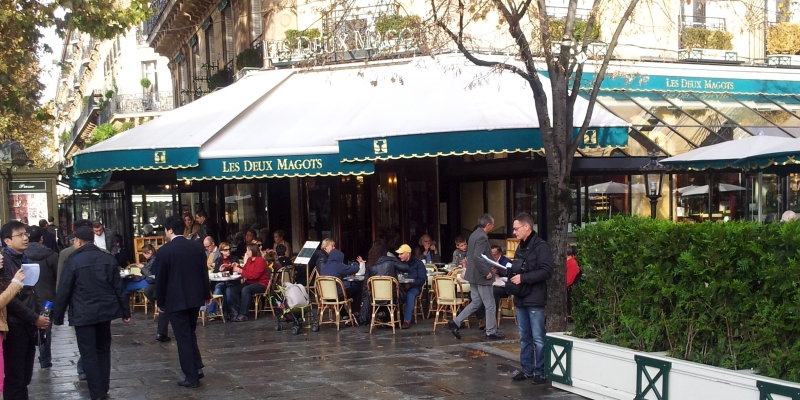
(138, 299)
(506, 310)
(449, 299)
(261, 301)
(216, 298)
(328, 299)
(384, 292)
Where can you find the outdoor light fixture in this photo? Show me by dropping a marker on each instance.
(653, 178)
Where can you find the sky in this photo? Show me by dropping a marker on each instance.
(50, 72)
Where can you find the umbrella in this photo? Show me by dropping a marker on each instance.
(726, 154)
(609, 187)
(699, 190)
(777, 154)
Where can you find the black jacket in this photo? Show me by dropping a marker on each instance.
(48, 266)
(182, 277)
(25, 308)
(538, 268)
(92, 288)
(208, 228)
(386, 266)
(49, 240)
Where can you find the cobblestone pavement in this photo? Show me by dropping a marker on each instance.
(250, 360)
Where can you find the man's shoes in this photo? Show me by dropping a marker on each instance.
(538, 380)
(406, 325)
(82, 377)
(46, 365)
(482, 323)
(521, 376)
(453, 328)
(240, 318)
(496, 336)
(188, 384)
(163, 338)
(200, 374)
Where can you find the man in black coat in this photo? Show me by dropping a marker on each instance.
(23, 316)
(92, 288)
(207, 227)
(46, 286)
(182, 289)
(48, 238)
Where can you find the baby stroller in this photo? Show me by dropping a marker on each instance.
(295, 306)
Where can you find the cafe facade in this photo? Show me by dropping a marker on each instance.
(403, 148)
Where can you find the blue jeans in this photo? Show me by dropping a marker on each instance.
(531, 333)
(218, 289)
(411, 294)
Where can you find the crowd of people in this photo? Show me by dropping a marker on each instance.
(83, 279)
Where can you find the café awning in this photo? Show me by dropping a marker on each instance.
(173, 140)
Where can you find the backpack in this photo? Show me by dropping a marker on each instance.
(295, 295)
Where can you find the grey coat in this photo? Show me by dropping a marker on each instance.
(477, 269)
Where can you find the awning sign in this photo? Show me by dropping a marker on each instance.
(274, 167)
(27, 186)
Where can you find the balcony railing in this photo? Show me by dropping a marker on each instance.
(136, 103)
(141, 38)
(158, 7)
(556, 12)
(699, 21)
(89, 111)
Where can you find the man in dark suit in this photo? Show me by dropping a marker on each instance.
(182, 289)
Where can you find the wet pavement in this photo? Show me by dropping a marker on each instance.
(250, 360)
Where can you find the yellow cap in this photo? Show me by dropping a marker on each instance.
(404, 249)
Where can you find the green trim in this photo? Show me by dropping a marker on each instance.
(663, 373)
(178, 58)
(766, 390)
(193, 40)
(221, 5)
(561, 360)
(274, 167)
(87, 181)
(206, 23)
(135, 159)
(467, 143)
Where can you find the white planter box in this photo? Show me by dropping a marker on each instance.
(601, 371)
(783, 59)
(708, 54)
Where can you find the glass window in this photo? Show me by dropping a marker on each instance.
(211, 55)
(766, 187)
(319, 224)
(607, 196)
(794, 193)
(526, 198)
(228, 43)
(152, 204)
(471, 206)
(246, 206)
(691, 191)
(496, 195)
(389, 227)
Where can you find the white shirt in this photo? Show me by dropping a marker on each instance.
(100, 240)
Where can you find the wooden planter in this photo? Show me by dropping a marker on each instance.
(601, 371)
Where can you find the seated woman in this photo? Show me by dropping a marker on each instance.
(149, 253)
(225, 262)
(427, 251)
(336, 267)
(279, 236)
(190, 228)
(256, 280)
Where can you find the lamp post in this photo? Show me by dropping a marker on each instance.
(653, 178)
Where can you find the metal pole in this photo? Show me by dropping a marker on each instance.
(653, 204)
(759, 197)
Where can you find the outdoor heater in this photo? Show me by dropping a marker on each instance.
(653, 178)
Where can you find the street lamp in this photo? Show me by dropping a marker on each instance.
(653, 177)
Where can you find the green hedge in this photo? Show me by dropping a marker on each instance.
(720, 294)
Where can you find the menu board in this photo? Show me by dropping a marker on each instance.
(304, 256)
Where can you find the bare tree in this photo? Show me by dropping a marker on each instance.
(565, 75)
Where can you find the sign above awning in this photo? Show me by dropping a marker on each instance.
(467, 143)
(274, 167)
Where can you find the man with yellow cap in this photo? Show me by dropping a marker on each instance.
(417, 275)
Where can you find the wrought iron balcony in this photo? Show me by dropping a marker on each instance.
(699, 21)
(158, 7)
(556, 12)
(88, 117)
(136, 103)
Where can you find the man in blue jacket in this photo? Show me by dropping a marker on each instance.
(417, 272)
(92, 288)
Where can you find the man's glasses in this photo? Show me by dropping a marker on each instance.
(24, 234)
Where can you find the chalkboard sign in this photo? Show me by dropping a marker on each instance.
(304, 256)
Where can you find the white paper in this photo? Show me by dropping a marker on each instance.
(493, 262)
(31, 274)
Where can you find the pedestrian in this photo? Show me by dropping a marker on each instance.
(45, 287)
(8, 292)
(530, 270)
(91, 287)
(48, 238)
(481, 277)
(23, 316)
(182, 289)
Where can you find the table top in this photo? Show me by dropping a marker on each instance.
(225, 278)
(354, 278)
(408, 280)
(437, 273)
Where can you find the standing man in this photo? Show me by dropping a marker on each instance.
(46, 286)
(23, 316)
(182, 289)
(207, 228)
(481, 277)
(92, 288)
(104, 238)
(48, 238)
(532, 267)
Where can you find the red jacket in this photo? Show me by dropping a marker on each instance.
(572, 271)
(255, 271)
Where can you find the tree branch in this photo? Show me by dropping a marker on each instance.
(601, 74)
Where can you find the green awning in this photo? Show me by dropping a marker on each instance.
(467, 143)
(89, 181)
(136, 159)
(274, 167)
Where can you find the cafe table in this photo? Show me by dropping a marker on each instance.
(354, 278)
(220, 278)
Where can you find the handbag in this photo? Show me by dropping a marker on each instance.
(518, 267)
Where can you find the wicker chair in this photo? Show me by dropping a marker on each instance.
(328, 299)
(384, 292)
(449, 299)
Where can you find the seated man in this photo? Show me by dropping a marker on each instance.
(417, 272)
(497, 254)
(282, 260)
(460, 253)
(336, 267)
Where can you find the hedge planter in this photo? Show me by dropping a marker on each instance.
(707, 54)
(601, 371)
(783, 60)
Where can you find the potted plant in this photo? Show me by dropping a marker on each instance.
(706, 44)
(220, 79)
(783, 44)
(146, 84)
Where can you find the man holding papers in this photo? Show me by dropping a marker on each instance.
(480, 275)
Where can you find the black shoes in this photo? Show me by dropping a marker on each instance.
(200, 374)
(163, 338)
(188, 384)
(453, 328)
(46, 365)
(496, 336)
(82, 377)
(538, 380)
(521, 376)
